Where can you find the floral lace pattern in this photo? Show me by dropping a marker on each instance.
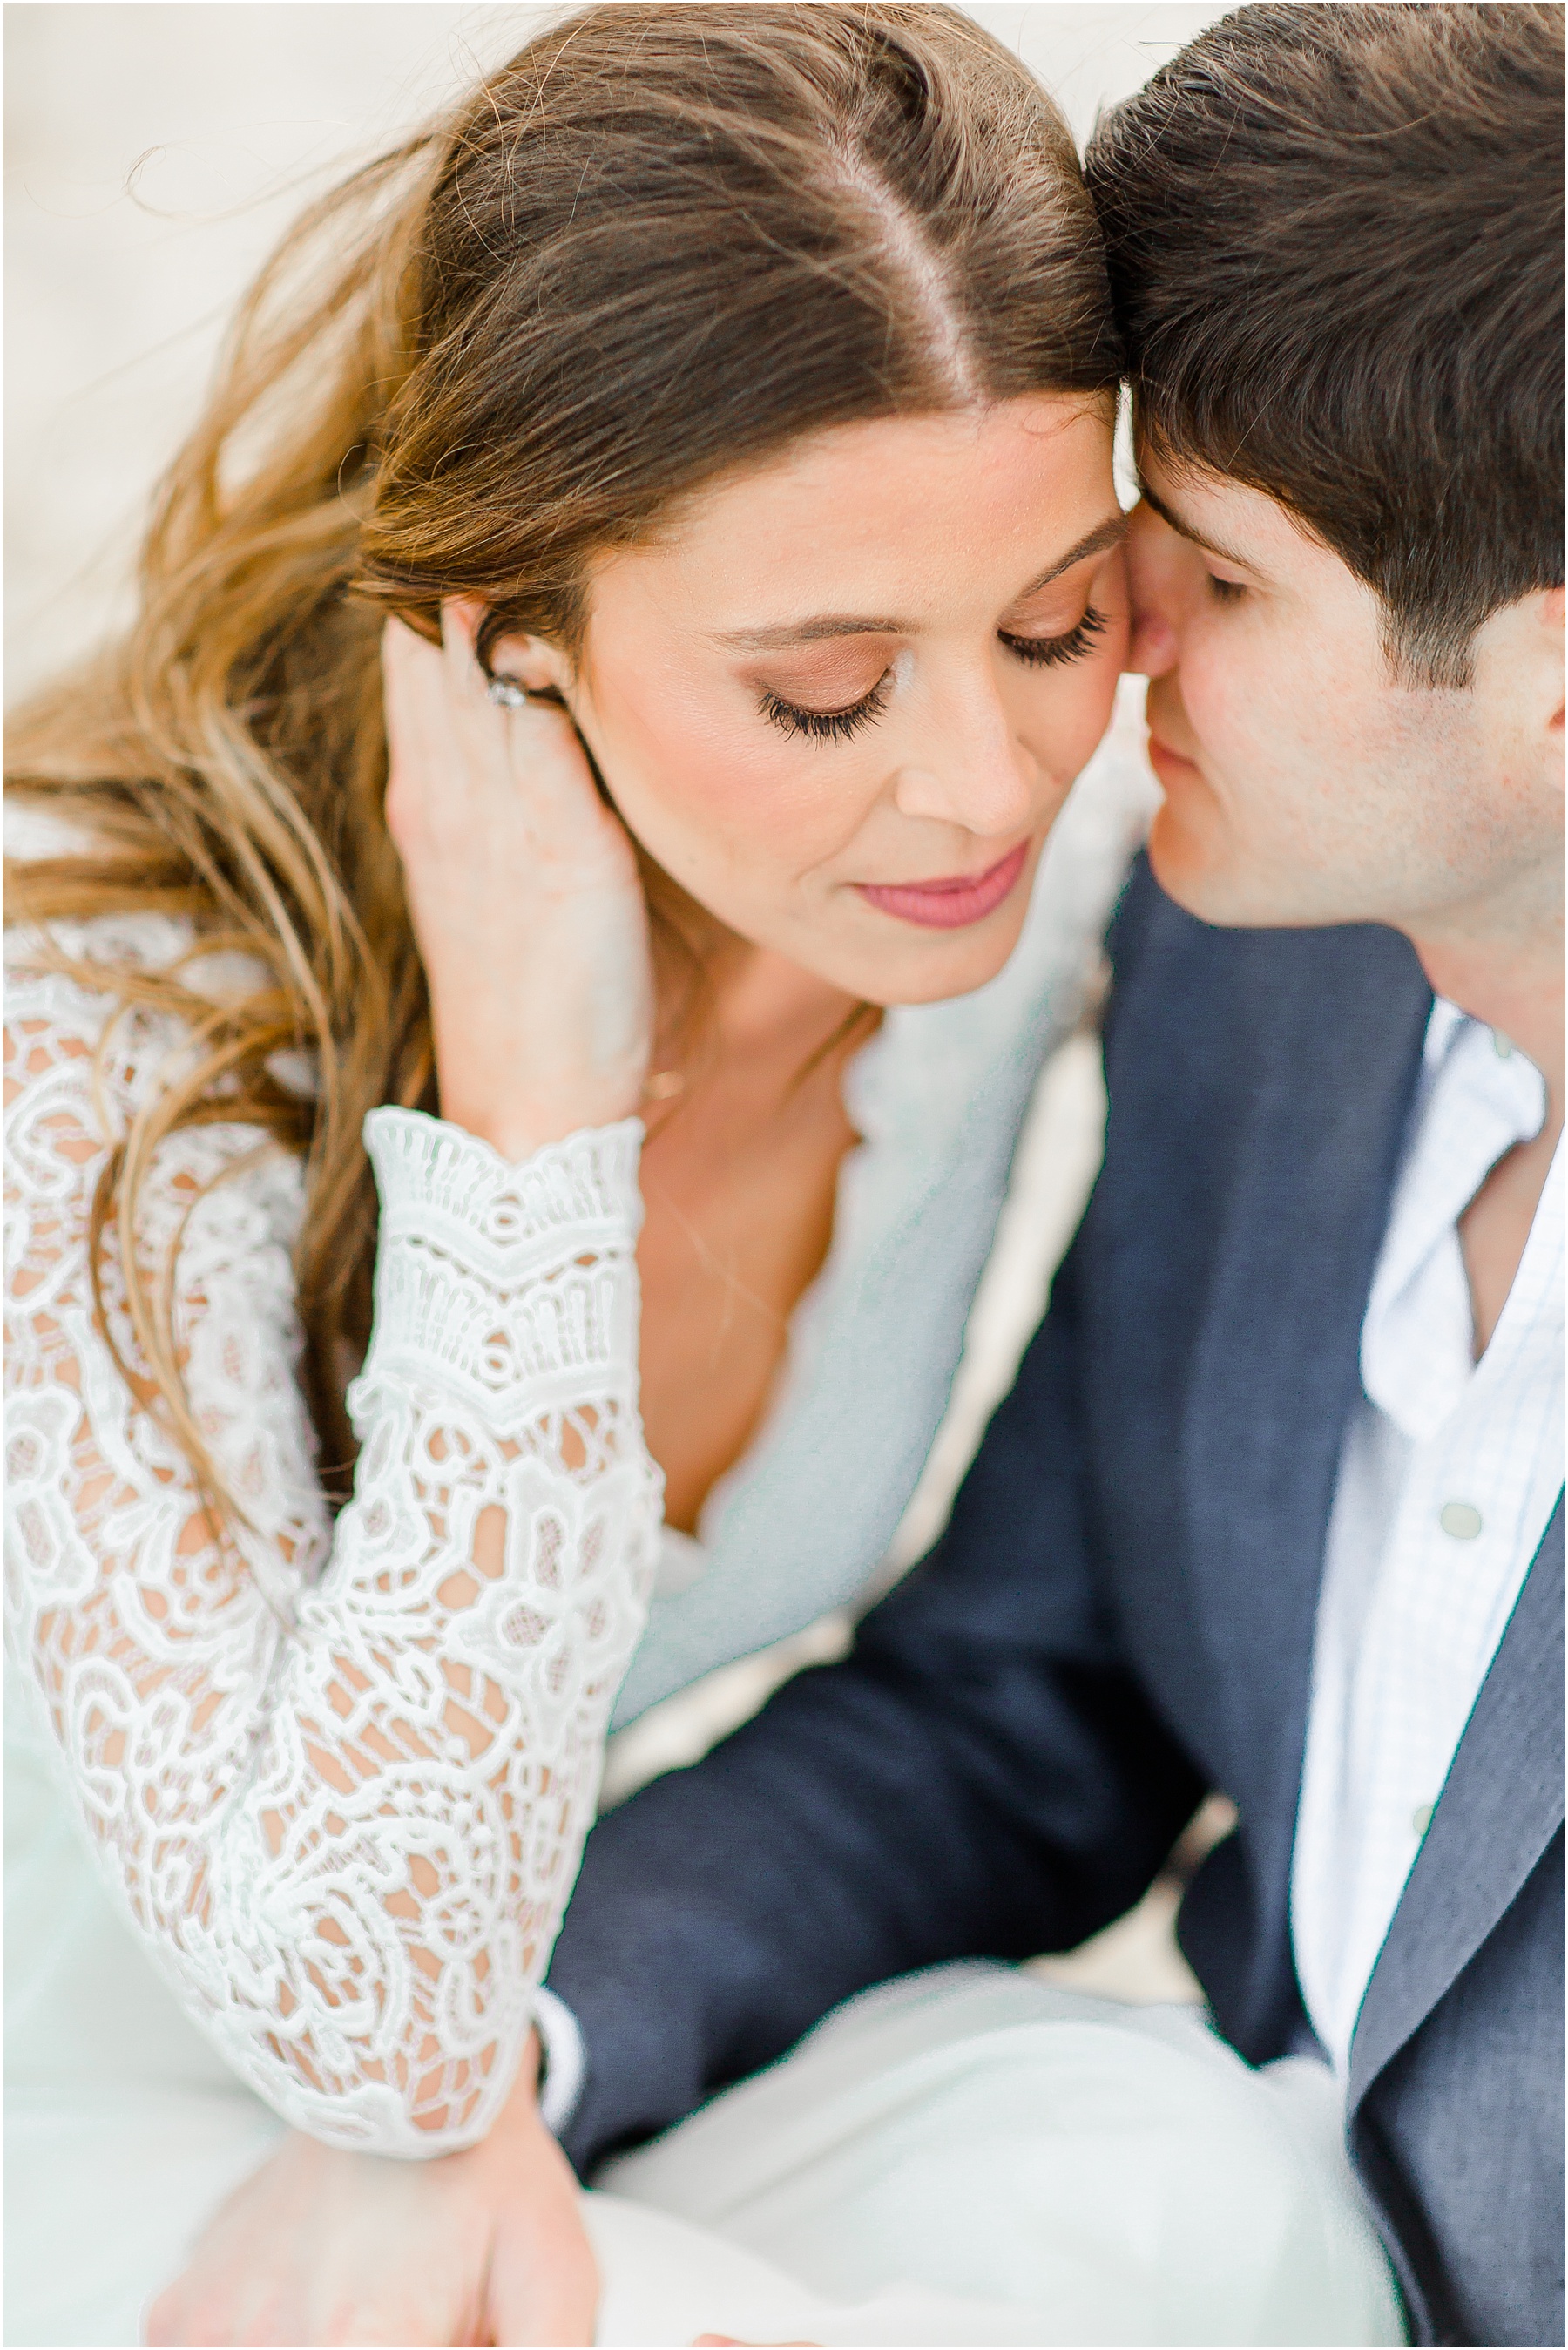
(339, 1774)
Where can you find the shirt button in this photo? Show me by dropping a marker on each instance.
(1461, 1519)
(1421, 1818)
(1500, 1046)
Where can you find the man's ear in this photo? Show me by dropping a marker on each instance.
(1518, 662)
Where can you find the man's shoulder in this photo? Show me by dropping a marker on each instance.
(1251, 1074)
(1190, 990)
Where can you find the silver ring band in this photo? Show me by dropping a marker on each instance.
(507, 692)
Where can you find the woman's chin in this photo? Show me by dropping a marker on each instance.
(931, 966)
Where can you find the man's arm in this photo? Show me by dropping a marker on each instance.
(981, 1776)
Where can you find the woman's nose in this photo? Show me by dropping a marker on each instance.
(978, 777)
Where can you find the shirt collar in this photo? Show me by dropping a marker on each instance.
(1478, 1096)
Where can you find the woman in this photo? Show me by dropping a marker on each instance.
(646, 394)
(563, 842)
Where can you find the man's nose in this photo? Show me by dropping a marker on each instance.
(1153, 553)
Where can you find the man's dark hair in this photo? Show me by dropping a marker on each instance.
(1335, 248)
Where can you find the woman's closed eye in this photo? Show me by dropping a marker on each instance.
(1052, 652)
(837, 725)
(826, 725)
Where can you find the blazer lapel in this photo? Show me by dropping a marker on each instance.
(1277, 1364)
(1501, 1806)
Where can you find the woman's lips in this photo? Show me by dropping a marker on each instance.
(949, 905)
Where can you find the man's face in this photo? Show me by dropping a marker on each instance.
(1304, 782)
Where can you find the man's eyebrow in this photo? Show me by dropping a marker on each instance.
(1184, 530)
(812, 631)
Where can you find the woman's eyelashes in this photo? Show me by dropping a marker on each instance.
(838, 726)
(1050, 652)
(827, 725)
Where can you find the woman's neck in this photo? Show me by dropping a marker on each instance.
(727, 999)
(746, 1133)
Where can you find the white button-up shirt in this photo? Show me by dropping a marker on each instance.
(1448, 1474)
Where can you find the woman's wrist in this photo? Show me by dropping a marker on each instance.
(516, 1133)
(522, 2106)
(480, 1093)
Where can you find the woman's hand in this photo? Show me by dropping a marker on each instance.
(324, 2246)
(524, 896)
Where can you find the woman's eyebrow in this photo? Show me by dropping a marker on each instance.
(1104, 536)
(855, 624)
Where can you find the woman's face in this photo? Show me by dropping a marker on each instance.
(843, 700)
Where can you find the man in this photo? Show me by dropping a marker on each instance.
(1274, 1508)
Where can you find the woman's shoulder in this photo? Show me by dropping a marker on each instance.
(38, 951)
(81, 964)
(88, 1040)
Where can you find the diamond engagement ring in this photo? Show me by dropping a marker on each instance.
(507, 692)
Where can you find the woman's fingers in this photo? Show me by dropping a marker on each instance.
(460, 618)
(537, 739)
(524, 897)
(465, 766)
(543, 2286)
(162, 2321)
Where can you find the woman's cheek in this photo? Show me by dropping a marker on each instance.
(1064, 734)
(1096, 702)
(708, 802)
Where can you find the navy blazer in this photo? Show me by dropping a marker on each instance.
(1119, 1619)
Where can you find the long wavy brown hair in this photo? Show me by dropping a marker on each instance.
(661, 242)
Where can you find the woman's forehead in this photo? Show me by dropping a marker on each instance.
(831, 536)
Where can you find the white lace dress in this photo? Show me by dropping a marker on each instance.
(320, 1788)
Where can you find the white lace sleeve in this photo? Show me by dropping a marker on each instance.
(340, 1774)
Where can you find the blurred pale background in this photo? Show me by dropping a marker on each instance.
(153, 153)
